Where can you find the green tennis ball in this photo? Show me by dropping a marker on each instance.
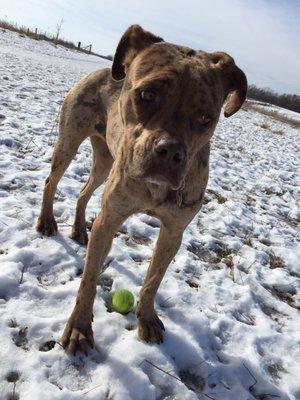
(123, 301)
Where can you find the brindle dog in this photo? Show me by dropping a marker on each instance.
(150, 119)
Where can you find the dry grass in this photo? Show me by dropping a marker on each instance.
(276, 370)
(13, 376)
(264, 126)
(287, 298)
(273, 114)
(276, 261)
(37, 36)
(278, 132)
(220, 199)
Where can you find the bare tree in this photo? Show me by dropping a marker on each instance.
(58, 29)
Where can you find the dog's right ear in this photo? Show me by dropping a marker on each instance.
(132, 42)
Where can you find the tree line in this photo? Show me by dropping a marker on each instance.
(289, 101)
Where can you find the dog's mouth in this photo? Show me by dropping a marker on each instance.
(171, 179)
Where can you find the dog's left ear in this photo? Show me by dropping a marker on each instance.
(134, 40)
(235, 82)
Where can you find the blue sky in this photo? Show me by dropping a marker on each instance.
(262, 35)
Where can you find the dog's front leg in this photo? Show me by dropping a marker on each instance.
(150, 327)
(78, 334)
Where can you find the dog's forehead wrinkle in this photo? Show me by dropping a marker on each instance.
(183, 50)
(172, 60)
(162, 78)
(164, 52)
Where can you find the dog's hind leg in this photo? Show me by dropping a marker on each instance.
(102, 162)
(64, 151)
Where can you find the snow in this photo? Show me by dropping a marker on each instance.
(229, 300)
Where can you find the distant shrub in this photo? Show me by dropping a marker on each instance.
(289, 101)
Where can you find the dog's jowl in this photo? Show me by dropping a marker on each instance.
(150, 119)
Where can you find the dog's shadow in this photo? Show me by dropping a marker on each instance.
(61, 240)
(109, 261)
(193, 361)
(204, 366)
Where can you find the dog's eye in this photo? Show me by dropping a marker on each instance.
(148, 95)
(203, 120)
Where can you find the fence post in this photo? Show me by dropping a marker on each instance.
(35, 31)
(90, 49)
(79, 44)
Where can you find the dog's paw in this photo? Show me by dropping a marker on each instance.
(77, 336)
(47, 226)
(79, 235)
(150, 330)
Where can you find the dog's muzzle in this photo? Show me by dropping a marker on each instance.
(168, 162)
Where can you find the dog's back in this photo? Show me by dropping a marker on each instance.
(84, 109)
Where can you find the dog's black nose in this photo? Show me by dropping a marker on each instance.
(170, 151)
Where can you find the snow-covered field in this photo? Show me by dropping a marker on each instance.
(229, 301)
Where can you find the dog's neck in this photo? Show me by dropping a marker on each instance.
(159, 192)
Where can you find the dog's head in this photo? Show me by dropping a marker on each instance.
(170, 103)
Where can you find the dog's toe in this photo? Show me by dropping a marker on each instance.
(77, 338)
(79, 235)
(47, 227)
(150, 330)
